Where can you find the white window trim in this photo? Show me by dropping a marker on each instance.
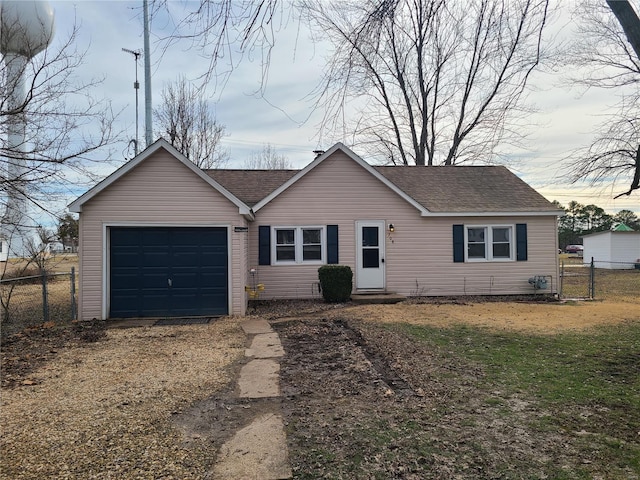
(298, 245)
(488, 243)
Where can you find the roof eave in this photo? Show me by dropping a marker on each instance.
(539, 213)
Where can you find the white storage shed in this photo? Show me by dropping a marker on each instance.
(612, 249)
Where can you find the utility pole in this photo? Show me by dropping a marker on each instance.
(148, 126)
(136, 85)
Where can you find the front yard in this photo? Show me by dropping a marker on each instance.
(444, 389)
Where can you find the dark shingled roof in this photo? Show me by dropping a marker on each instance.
(251, 186)
(451, 189)
(459, 189)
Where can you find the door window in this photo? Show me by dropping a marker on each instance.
(370, 248)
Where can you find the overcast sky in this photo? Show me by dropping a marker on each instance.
(283, 115)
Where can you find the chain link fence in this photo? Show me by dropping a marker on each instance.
(601, 280)
(37, 299)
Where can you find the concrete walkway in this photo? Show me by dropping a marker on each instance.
(259, 450)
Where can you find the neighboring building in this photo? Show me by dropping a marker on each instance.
(160, 237)
(614, 249)
(4, 249)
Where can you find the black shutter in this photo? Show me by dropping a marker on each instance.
(264, 245)
(458, 243)
(332, 244)
(521, 242)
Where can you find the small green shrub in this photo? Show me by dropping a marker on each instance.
(336, 282)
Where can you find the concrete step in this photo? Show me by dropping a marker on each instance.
(377, 297)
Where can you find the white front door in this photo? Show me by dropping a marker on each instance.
(370, 255)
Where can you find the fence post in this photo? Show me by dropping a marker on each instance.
(592, 280)
(45, 300)
(74, 308)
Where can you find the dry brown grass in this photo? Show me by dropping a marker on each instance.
(26, 303)
(104, 410)
(54, 263)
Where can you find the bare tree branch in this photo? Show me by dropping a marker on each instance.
(441, 78)
(607, 47)
(187, 122)
(226, 31)
(267, 159)
(64, 125)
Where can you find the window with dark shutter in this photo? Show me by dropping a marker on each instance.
(458, 243)
(332, 244)
(521, 242)
(264, 245)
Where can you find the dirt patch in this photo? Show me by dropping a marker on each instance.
(25, 352)
(212, 421)
(348, 417)
(366, 401)
(104, 409)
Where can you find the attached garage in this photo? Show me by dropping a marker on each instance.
(168, 271)
(161, 238)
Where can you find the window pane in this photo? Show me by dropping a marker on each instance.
(312, 252)
(476, 250)
(286, 253)
(311, 236)
(500, 235)
(285, 237)
(501, 250)
(369, 236)
(370, 258)
(475, 235)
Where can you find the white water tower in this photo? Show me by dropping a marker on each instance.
(26, 29)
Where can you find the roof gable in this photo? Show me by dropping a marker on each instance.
(318, 160)
(76, 205)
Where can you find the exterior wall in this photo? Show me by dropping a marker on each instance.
(614, 250)
(159, 191)
(419, 254)
(598, 247)
(625, 247)
(4, 250)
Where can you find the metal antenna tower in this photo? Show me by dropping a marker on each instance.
(136, 85)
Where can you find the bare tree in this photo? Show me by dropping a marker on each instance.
(187, 121)
(267, 159)
(62, 125)
(606, 50)
(436, 81)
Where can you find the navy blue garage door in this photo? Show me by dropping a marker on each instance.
(168, 272)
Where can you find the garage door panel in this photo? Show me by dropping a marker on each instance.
(165, 271)
(154, 259)
(186, 259)
(154, 279)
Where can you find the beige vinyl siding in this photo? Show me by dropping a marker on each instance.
(420, 261)
(159, 191)
(419, 254)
